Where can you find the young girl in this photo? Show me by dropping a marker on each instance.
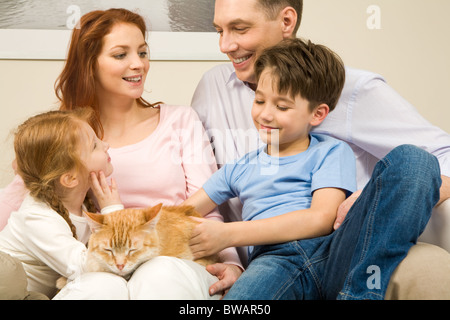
(56, 154)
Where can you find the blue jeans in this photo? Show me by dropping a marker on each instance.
(355, 261)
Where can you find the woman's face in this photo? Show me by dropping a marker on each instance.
(122, 64)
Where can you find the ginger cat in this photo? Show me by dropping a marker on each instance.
(122, 240)
(127, 238)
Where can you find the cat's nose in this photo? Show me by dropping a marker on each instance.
(120, 266)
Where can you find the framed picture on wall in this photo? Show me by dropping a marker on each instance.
(178, 29)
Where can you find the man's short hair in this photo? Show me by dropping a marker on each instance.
(273, 7)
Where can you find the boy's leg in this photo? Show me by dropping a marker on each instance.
(279, 272)
(383, 224)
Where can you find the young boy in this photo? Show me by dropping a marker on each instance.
(299, 84)
(291, 189)
(363, 118)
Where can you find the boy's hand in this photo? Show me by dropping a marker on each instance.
(207, 238)
(105, 194)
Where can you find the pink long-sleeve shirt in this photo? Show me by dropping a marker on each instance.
(167, 166)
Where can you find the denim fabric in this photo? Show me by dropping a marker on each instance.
(357, 260)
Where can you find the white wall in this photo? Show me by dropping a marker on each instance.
(411, 50)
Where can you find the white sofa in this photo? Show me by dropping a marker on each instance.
(438, 229)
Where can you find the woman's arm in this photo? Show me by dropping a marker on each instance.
(11, 198)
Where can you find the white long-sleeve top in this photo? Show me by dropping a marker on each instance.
(42, 240)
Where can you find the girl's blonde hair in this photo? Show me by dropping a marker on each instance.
(47, 146)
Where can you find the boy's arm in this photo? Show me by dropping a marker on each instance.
(201, 202)
(210, 237)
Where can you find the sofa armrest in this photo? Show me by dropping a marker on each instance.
(438, 229)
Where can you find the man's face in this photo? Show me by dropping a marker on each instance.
(245, 31)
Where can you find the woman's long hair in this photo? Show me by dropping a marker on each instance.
(76, 87)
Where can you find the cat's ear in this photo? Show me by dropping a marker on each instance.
(151, 213)
(94, 220)
(152, 216)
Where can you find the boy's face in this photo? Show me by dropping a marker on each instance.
(245, 31)
(281, 117)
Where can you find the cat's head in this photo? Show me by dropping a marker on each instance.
(123, 240)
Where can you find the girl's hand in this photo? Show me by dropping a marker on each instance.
(105, 194)
(208, 237)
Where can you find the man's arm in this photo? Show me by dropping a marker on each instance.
(445, 189)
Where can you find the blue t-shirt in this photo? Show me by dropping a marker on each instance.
(270, 186)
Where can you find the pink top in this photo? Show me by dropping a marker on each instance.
(11, 198)
(169, 165)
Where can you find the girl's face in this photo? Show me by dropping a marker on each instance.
(122, 65)
(94, 152)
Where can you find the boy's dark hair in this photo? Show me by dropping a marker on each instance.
(302, 68)
(273, 7)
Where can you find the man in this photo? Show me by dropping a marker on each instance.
(370, 117)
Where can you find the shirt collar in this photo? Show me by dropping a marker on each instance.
(234, 79)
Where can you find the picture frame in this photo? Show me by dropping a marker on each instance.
(179, 29)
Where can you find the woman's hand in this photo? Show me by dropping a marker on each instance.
(210, 237)
(227, 275)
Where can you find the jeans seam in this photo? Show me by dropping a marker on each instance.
(308, 266)
(370, 293)
(286, 285)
